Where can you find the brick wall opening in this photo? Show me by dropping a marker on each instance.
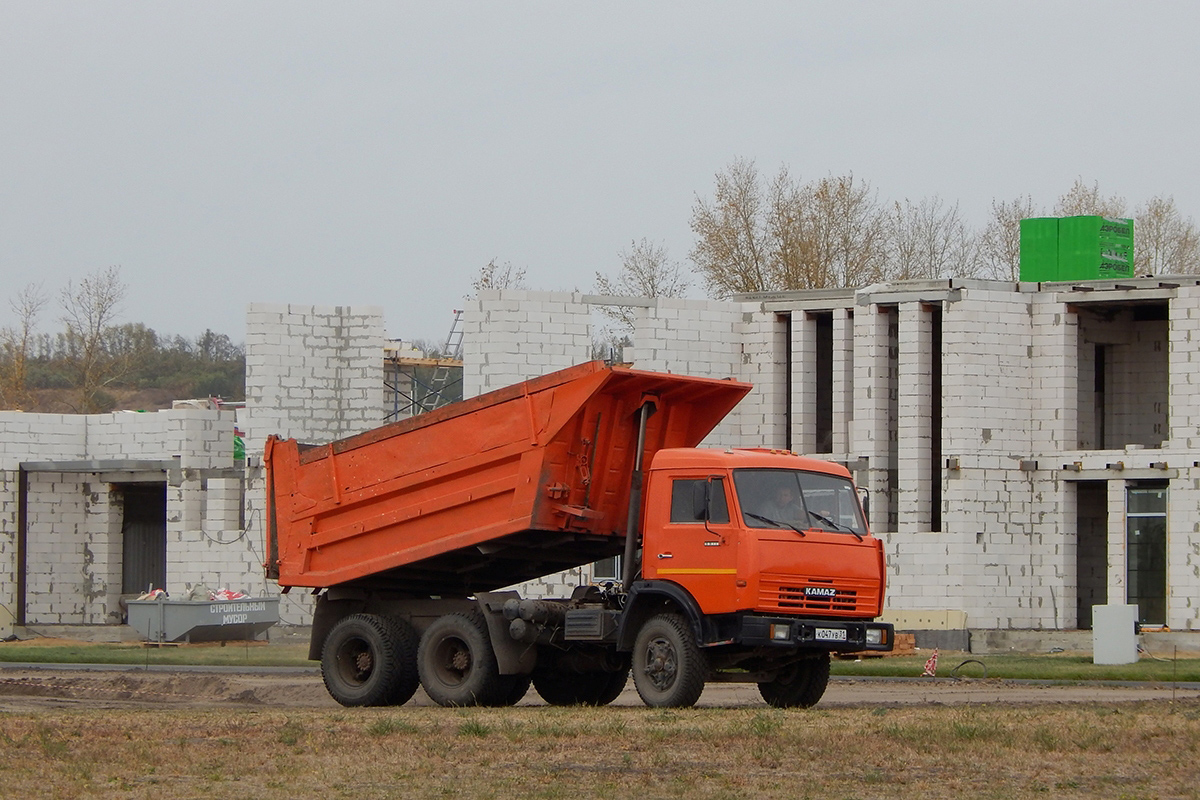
(143, 536)
(1123, 375)
(1091, 549)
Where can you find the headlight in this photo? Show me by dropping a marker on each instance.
(781, 633)
(874, 635)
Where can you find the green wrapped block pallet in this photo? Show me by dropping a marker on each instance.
(1039, 249)
(1084, 248)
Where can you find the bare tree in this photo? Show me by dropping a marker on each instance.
(498, 276)
(827, 233)
(16, 344)
(929, 240)
(1083, 200)
(796, 237)
(646, 271)
(1165, 243)
(89, 310)
(851, 231)
(999, 245)
(730, 249)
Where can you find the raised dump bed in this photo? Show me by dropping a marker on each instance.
(502, 488)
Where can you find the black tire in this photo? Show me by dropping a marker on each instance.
(517, 688)
(614, 687)
(369, 660)
(668, 668)
(457, 665)
(799, 685)
(579, 688)
(406, 645)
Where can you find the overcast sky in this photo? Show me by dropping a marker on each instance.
(382, 152)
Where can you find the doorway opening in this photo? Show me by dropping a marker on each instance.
(143, 537)
(1091, 549)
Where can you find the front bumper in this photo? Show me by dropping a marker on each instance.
(754, 630)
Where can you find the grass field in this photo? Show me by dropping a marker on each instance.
(1056, 666)
(1131, 752)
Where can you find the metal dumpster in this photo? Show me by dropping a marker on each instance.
(164, 620)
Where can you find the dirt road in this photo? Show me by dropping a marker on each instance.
(25, 688)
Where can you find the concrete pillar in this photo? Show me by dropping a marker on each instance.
(804, 396)
(1116, 542)
(873, 385)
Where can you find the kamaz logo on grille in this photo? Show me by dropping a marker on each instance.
(820, 591)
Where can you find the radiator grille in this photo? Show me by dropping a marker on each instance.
(849, 598)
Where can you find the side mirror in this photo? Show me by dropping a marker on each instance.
(864, 499)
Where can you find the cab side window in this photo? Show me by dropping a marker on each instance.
(687, 500)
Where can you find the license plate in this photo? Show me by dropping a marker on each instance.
(831, 634)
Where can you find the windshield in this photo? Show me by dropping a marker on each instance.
(779, 498)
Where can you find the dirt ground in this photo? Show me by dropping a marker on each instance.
(25, 688)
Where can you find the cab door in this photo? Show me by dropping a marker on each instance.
(691, 541)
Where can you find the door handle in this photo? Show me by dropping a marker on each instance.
(665, 555)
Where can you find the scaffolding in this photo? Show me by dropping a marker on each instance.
(416, 384)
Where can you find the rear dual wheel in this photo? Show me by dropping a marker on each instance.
(580, 688)
(370, 660)
(458, 667)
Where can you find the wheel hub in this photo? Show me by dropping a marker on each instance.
(661, 663)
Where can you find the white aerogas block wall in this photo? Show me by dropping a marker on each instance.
(970, 409)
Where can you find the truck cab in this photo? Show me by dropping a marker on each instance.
(756, 564)
(754, 530)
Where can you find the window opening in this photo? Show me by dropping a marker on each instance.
(1146, 552)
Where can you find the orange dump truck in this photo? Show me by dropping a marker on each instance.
(743, 565)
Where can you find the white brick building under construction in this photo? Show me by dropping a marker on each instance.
(1031, 450)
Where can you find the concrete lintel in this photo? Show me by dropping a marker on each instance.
(794, 297)
(898, 297)
(101, 465)
(808, 304)
(616, 300)
(144, 476)
(1116, 474)
(1114, 296)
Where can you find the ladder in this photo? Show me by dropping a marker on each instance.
(454, 339)
(452, 351)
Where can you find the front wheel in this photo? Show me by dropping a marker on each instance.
(668, 668)
(369, 660)
(798, 685)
